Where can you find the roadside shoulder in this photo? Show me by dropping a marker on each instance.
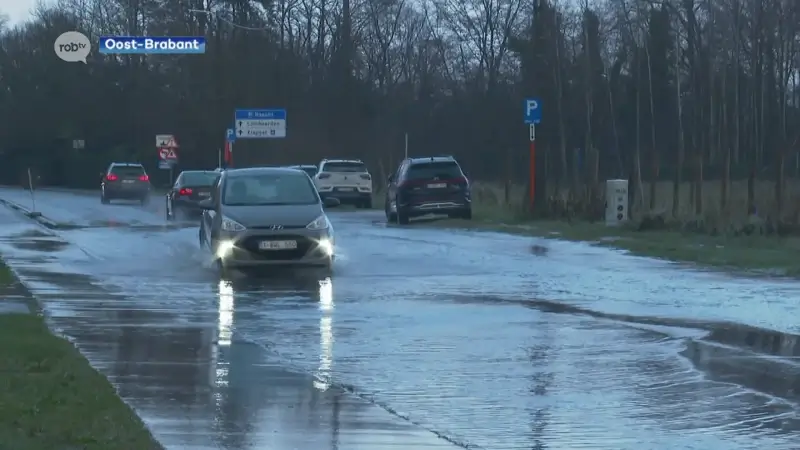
(53, 397)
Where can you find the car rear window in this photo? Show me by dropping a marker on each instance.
(344, 167)
(127, 171)
(441, 170)
(198, 178)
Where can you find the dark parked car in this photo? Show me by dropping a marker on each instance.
(266, 216)
(191, 187)
(429, 185)
(125, 181)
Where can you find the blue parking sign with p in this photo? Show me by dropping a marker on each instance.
(533, 110)
(230, 135)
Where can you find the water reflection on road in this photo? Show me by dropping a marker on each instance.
(323, 373)
(226, 309)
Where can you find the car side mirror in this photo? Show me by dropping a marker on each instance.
(331, 202)
(207, 204)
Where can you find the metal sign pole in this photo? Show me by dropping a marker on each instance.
(533, 115)
(30, 186)
(533, 163)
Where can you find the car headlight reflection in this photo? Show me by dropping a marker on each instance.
(224, 249)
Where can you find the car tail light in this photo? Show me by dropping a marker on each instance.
(185, 191)
(323, 176)
(459, 183)
(365, 176)
(111, 177)
(144, 178)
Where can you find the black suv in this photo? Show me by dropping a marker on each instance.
(429, 185)
(128, 181)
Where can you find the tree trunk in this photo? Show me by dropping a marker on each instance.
(676, 185)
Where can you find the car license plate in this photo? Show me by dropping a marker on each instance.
(277, 245)
(127, 181)
(346, 189)
(437, 185)
(204, 194)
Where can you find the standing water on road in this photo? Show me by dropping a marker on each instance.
(457, 336)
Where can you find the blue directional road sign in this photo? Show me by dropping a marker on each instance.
(230, 135)
(260, 123)
(533, 110)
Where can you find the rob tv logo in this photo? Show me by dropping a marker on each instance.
(72, 46)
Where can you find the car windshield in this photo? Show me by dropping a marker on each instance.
(434, 170)
(269, 189)
(127, 171)
(198, 178)
(355, 167)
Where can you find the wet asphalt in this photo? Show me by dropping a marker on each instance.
(421, 338)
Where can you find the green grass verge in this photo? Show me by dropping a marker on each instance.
(51, 398)
(6, 277)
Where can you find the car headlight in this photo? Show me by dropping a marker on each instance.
(320, 223)
(326, 245)
(231, 225)
(224, 249)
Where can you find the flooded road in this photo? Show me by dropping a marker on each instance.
(421, 338)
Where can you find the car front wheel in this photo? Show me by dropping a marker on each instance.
(387, 210)
(402, 217)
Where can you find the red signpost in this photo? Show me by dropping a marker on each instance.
(228, 156)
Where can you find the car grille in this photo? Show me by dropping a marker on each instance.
(303, 245)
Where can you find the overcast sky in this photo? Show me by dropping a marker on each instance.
(17, 10)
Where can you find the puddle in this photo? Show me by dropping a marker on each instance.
(42, 245)
(66, 280)
(67, 226)
(32, 233)
(133, 226)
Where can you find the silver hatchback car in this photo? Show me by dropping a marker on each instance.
(266, 216)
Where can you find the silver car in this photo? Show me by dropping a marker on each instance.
(266, 216)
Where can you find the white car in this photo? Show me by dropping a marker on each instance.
(347, 180)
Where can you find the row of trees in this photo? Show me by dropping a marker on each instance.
(641, 89)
